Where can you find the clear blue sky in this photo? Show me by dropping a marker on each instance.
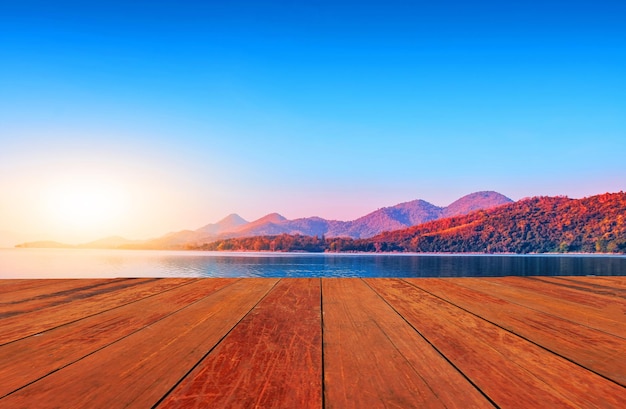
(329, 108)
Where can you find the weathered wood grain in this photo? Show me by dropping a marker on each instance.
(373, 358)
(334, 343)
(14, 285)
(272, 359)
(510, 370)
(29, 359)
(139, 369)
(83, 305)
(37, 299)
(610, 320)
(562, 290)
(589, 285)
(613, 281)
(595, 350)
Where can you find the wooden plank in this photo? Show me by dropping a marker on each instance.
(589, 285)
(610, 319)
(562, 292)
(36, 299)
(450, 386)
(10, 285)
(510, 370)
(613, 281)
(138, 370)
(373, 358)
(272, 359)
(14, 291)
(590, 348)
(27, 360)
(133, 354)
(120, 293)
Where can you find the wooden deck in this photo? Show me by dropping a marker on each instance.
(512, 342)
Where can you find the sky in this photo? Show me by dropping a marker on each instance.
(156, 116)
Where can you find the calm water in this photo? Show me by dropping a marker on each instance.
(61, 263)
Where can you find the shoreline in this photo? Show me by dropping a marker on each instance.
(573, 253)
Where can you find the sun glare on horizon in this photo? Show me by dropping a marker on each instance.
(83, 205)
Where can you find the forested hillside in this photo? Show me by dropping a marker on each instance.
(536, 225)
(540, 224)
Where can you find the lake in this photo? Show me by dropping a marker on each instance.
(70, 263)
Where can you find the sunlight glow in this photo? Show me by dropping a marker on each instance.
(82, 204)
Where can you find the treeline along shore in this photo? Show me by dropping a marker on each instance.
(596, 224)
(537, 225)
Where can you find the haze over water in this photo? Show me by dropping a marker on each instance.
(63, 263)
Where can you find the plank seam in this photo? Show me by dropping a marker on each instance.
(62, 293)
(169, 392)
(80, 293)
(538, 310)
(520, 336)
(98, 313)
(393, 344)
(117, 340)
(601, 291)
(434, 347)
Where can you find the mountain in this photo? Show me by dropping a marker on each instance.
(474, 201)
(108, 243)
(596, 224)
(173, 240)
(229, 223)
(395, 217)
(113, 242)
(388, 218)
(310, 226)
(45, 244)
(535, 225)
(539, 224)
(268, 224)
(385, 219)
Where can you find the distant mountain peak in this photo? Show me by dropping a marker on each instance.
(107, 242)
(271, 218)
(230, 222)
(535, 225)
(485, 199)
(395, 217)
(412, 202)
(232, 219)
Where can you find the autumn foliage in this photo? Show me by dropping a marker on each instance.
(535, 225)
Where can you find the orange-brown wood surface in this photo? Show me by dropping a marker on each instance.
(533, 294)
(24, 362)
(560, 336)
(272, 359)
(139, 369)
(36, 319)
(29, 300)
(373, 358)
(613, 281)
(568, 291)
(9, 286)
(504, 366)
(513, 342)
(588, 284)
(17, 291)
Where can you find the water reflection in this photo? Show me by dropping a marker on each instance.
(47, 263)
